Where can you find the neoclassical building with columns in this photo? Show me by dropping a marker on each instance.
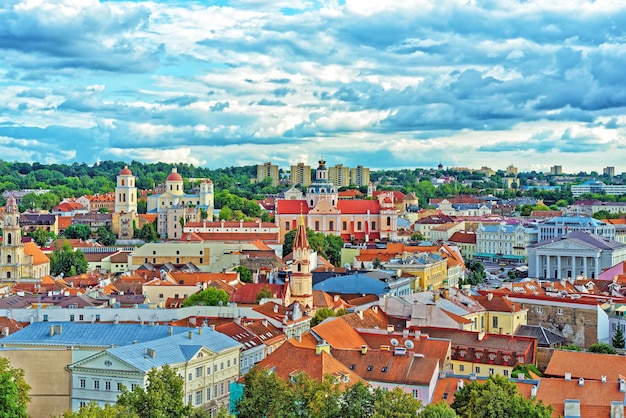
(578, 254)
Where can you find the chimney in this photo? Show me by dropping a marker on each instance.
(51, 330)
(363, 349)
(622, 385)
(405, 333)
(435, 296)
(533, 391)
(481, 335)
(459, 384)
(568, 375)
(322, 346)
(190, 334)
(446, 293)
(418, 334)
(581, 381)
(603, 378)
(200, 330)
(170, 331)
(489, 296)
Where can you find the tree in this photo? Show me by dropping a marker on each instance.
(618, 338)
(601, 348)
(264, 395)
(93, 410)
(41, 236)
(210, 296)
(496, 397)
(572, 347)
(395, 403)
(13, 391)
(376, 263)
(147, 233)
(320, 315)
(226, 214)
(80, 231)
(245, 274)
(162, 398)
(437, 410)
(357, 401)
(105, 236)
(526, 370)
(66, 261)
(264, 293)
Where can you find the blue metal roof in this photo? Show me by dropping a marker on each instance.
(175, 349)
(88, 334)
(353, 284)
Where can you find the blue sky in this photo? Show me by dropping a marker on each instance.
(384, 84)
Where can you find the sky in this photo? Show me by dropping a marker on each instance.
(383, 84)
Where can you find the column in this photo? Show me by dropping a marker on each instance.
(538, 265)
(585, 267)
(573, 267)
(597, 266)
(548, 274)
(558, 266)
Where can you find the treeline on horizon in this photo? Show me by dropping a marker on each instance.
(78, 179)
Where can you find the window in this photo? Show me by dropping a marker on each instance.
(208, 394)
(215, 368)
(344, 225)
(506, 373)
(221, 388)
(119, 386)
(208, 370)
(358, 225)
(491, 371)
(71, 317)
(388, 221)
(83, 384)
(82, 404)
(317, 225)
(416, 393)
(559, 311)
(373, 225)
(199, 397)
(97, 317)
(190, 377)
(107, 385)
(45, 318)
(495, 322)
(198, 371)
(461, 367)
(477, 369)
(222, 366)
(96, 384)
(539, 309)
(287, 225)
(81, 317)
(160, 295)
(331, 225)
(132, 386)
(190, 399)
(215, 391)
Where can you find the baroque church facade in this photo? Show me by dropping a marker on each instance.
(356, 220)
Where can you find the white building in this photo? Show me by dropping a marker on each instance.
(206, 360)
(578, 254)
(560, 226)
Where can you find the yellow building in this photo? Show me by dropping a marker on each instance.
(431, 270)
(339, 175)
(266, 170)
(360, 176)
(300, 174)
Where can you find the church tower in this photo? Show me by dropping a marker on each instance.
(301, 281)
(321, 188)
(12, 256)
(125, 192)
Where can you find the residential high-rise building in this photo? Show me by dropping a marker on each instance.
(300, 174)
(339, 175)
(360, 176)
(556, 170)
(511, 171)
(266, 170)
(609, 171)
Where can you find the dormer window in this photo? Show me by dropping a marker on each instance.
(492, 356)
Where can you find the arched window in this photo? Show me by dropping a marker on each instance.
(299, 267)
(9, 259)
(123, 182)
(9, 239)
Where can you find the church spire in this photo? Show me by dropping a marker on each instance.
(301, 240)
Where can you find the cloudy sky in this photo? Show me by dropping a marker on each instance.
(383, 84)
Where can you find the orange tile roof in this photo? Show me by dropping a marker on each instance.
(31, 249)
(586, 365)
(288, 360)
(338, 334)
(595, 396)
(63, 222)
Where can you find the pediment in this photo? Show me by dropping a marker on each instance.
(324, 206)
(103, 361)
(567, 245)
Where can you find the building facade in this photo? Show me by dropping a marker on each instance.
(300, 174)
(266, 170)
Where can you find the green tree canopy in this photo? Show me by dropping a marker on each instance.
(496, 397)
(13, 391)
(602, 348)
(64, 260)
(94, 410)
(245, 274)
(162, 398)
(618, 338)
(80, 231)
(437, 410)
(264, 293)
(41, 236)
(105, 236)
(210, 296)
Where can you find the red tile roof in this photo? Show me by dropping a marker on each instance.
(590, 366)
